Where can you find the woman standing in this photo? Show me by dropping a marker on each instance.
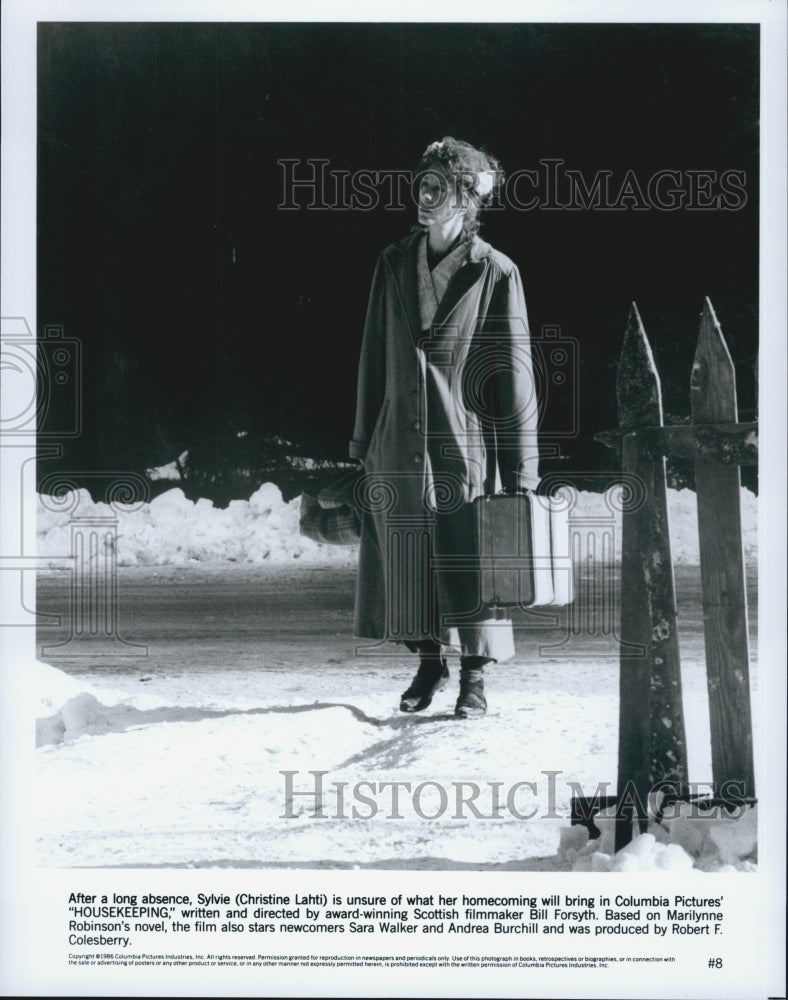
(446, 412)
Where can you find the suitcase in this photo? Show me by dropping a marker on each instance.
(524, 551)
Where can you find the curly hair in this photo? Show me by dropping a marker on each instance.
(476, 174)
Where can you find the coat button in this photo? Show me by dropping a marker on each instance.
(417, 458)
(416, 425)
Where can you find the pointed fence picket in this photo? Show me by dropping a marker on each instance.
(718, 484)
(652, 754)
(652, 746)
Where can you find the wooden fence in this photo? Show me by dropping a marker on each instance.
(652, 748)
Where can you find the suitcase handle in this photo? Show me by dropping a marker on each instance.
(507, 491)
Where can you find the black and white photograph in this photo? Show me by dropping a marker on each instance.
(393, 537)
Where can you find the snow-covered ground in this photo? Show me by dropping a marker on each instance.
(192, 774)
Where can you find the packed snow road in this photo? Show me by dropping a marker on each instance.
(282, 628)
(195, 746)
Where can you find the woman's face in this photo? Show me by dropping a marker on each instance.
(439, 201)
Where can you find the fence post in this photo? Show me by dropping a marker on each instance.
(713, 398)
(652, 745)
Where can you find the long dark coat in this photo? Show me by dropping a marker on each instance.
(443, 416)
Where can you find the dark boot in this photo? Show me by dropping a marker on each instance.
(430, 677)
(471, 702)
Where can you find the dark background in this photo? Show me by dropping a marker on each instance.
(205, 312)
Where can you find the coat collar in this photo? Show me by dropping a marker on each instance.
(402, 258)
(479, 249)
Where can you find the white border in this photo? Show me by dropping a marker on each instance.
(23, 964)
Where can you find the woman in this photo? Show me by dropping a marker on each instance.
(446, 412)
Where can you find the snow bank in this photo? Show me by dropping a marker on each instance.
(594, 513)
(67, 708)
(171, 530)
(689, 839)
